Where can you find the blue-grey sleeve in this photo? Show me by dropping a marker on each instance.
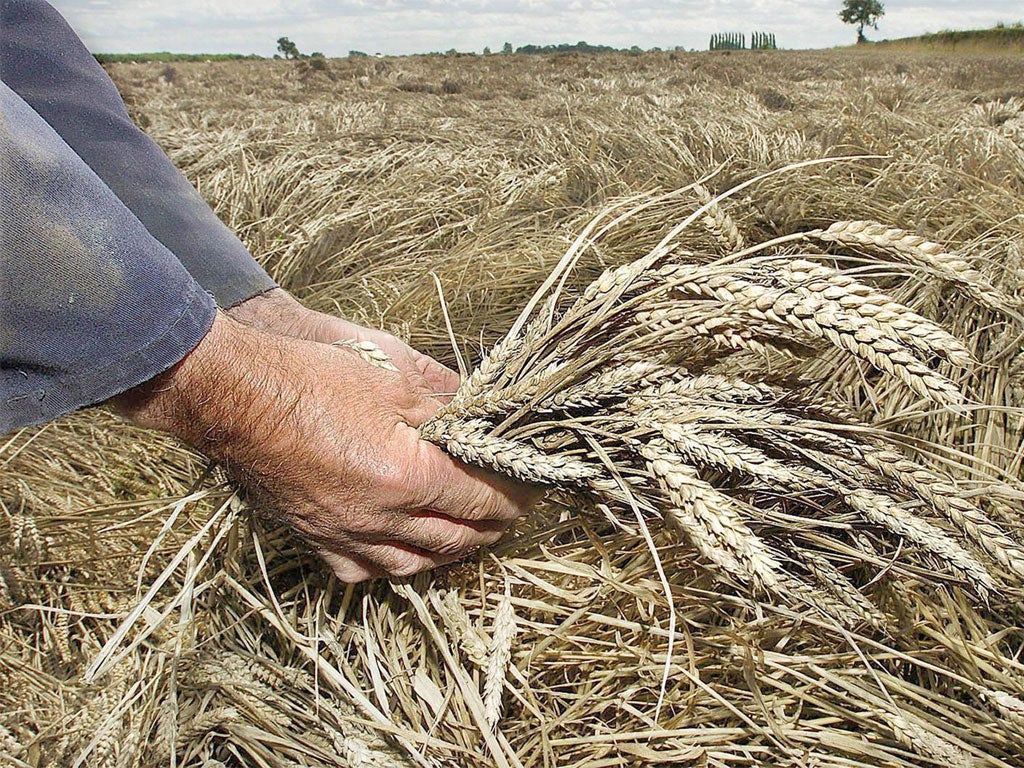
(90, 303)
(44, 61)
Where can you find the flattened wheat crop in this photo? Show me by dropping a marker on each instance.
(780, 430)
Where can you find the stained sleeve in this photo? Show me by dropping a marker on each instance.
(91, 304)
(44, 61)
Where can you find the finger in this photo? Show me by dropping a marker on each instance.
(425, 373)
(428, 377)
(407, 360)
(347, 569)
(443, 380)
(439, 534)
(398, 560)
(422, 408)
(464, 492)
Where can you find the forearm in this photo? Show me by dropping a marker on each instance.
(223, 399)
(43, 60)
(90, 304)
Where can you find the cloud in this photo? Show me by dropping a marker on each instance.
(411, 26)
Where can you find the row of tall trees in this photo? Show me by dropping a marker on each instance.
(728, 41)
(737, 41)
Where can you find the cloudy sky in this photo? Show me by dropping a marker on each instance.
(412, 26)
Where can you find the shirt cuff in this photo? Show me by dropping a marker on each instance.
(43, 396)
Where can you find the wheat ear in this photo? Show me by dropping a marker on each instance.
(883, 511)
(709, 519)
(473, 442)
(818, 318)
(715, 449)
(831, 579)
(927, 744)
(920, 251)
(499, 655)
(1009, 707)
(368, 352)
(842, 292)
(941, 494)
(456, 620)
(718, 222)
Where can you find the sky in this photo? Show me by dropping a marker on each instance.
(334, 27)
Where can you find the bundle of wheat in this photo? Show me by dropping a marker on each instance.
(631, 394)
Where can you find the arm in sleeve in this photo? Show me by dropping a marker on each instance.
(44, 61)
(91, 304)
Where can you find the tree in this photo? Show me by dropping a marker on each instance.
(863, 13)
(506, 48)
(288, 48)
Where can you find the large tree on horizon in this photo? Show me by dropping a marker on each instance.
(863, 13)
(288, 48)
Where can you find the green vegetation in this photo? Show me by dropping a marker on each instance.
(164, 56)
(737, 41)
(581, 47)
(1001, 37)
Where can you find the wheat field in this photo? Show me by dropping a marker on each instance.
(149, 618)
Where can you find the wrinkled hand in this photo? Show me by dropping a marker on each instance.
(278, 312)
(330, 443)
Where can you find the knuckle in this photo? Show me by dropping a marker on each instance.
(396, 476)
(454, 541)
(488, 504)
(389, 476)
(461, 540)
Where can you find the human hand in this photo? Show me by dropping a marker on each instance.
(278, 312)
(329, 443)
